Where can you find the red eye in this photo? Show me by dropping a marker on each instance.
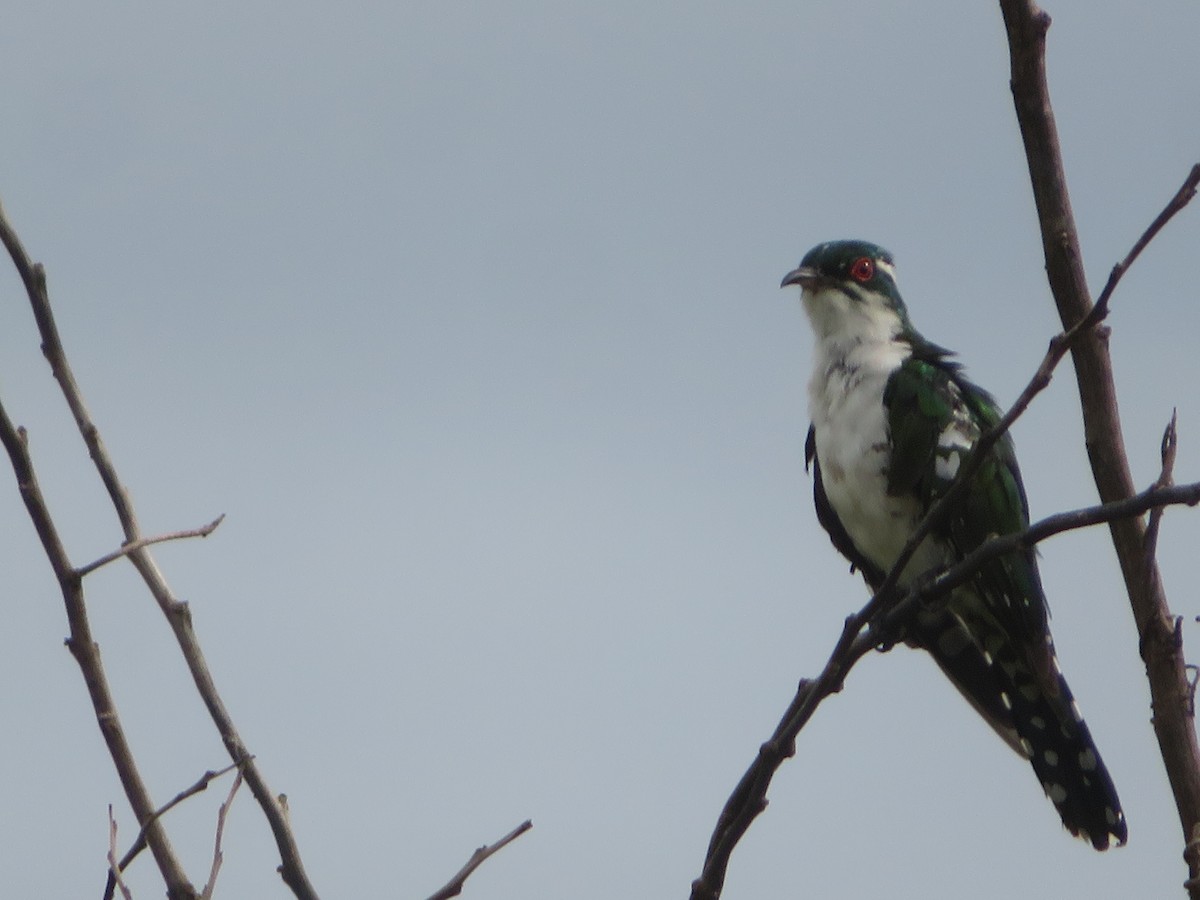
(862, 269)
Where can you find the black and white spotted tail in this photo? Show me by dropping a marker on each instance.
(1028, 702)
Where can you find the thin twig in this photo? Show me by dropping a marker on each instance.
(82, 645)
(1166, 477)
(749, 797)
(1152, 500)
(887, 623)
(887, 605)
(454, 886)
(218, 856)
(1182, 198)
(114, 870)
(1059, 345)
(139, 843)
(178, 614)
(1159, 635)
(125, 549)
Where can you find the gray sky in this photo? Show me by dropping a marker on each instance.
(467, 316)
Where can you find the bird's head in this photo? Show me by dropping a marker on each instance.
(849, 287)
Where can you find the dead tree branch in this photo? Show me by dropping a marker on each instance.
(1159, 638)
(87, 654)
(125, 549)
(749, 797)
(114, 870)
(218, 855)
(879, 624)
(80, 642)
(177, 613)
(139, 843)
(454, 886)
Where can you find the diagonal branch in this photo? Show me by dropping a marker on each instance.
(1182, 198)
(1166, 477)
(114, 871)
(82, 645)
(454, 886)
(881, 622)
(139, 843)
(218, 854)
(938, 512)
(1059, 346)
(749, 797)
(125, 549)
(177, 613)
(1159, 639)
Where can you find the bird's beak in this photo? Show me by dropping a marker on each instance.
(803, 276)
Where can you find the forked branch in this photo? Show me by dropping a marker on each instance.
(454, 886)
(125, 549)
(1159, 638)
(82, 645)
(139, 843)
(136, 548)
(879, 624)
(882, 619)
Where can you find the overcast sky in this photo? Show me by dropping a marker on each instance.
(467, 316)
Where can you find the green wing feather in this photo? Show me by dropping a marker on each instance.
(927, 398)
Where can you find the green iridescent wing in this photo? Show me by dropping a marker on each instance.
(992, 638)
(935, 415)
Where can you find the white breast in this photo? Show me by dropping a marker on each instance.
(845, 394)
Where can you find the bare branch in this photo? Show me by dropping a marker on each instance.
(1159, 637)
(81, 643)
(1166, 477)
(749, 797)
(218, 856)
(125, 549)
(1181, 199)
(454, 886)
(887, 608)
(1152, 500)
(114, 870)
(879, 624)
(139, 843)
(1059, 345)
(178, 615)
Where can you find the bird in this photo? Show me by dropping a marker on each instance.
(893, 417)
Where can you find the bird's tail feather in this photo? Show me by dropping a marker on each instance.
(1030, 706)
